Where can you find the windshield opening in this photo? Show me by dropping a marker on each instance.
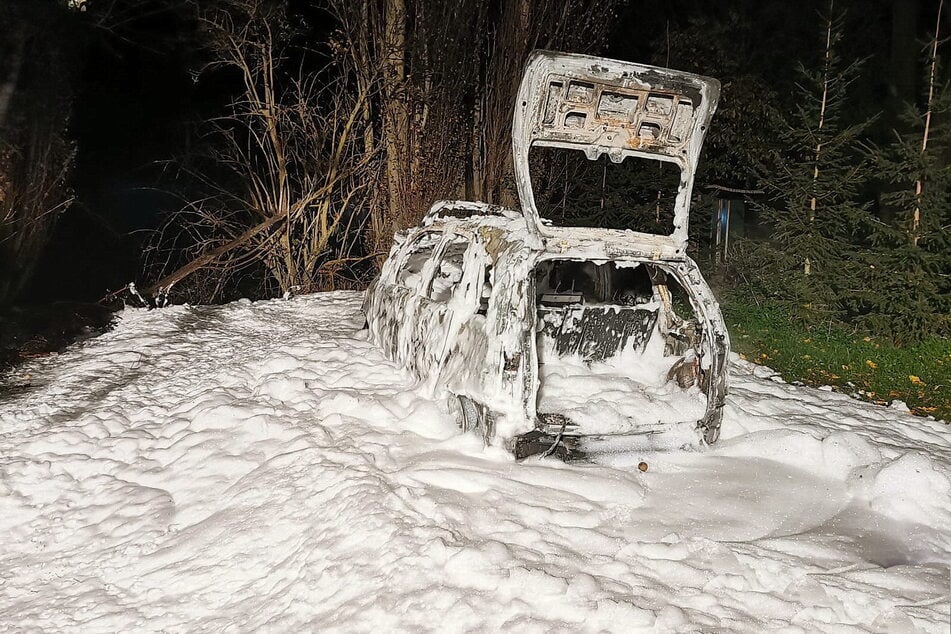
(573, 191)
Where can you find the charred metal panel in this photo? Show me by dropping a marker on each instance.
(537, 442)
(596, 333)
(460, 209)
(713, 363)
(620, 109)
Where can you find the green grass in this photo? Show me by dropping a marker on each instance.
(852, 362)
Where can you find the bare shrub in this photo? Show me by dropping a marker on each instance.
(286, 183)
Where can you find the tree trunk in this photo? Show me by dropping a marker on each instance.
(476, 190)
(807, 264)
(916, 216)
(396, 111)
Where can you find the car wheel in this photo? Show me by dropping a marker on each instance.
(470, 416)
(465, 412)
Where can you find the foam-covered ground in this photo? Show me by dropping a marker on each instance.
(262, 467)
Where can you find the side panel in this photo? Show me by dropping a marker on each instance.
(390, 307)
(716, 343)
(385, 309)
(448, 301)
(490, 358)
(422, 334)
(426, 336)
(463, 363)
(511, 360)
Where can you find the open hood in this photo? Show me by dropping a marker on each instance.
(620, 109)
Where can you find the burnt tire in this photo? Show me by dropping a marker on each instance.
(471, 416)
(465, 412)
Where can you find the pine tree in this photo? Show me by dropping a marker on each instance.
(813, 183)
(911, 268)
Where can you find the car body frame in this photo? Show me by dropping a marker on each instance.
(470, 300)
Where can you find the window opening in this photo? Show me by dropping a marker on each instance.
(410, 273)
(485, 294)
(637, 194)
(564, 282)
(449, 271)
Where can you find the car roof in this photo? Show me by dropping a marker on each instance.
(510, 226)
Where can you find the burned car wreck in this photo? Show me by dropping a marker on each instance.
(565, 340)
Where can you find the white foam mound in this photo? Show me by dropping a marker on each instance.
(262, 467)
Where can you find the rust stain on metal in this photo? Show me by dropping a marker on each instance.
(492, 236)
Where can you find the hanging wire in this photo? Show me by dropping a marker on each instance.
(604, 178)
(564, 192)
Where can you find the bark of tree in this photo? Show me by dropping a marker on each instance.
(449, 73)
(807, 264)
(396, 129)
